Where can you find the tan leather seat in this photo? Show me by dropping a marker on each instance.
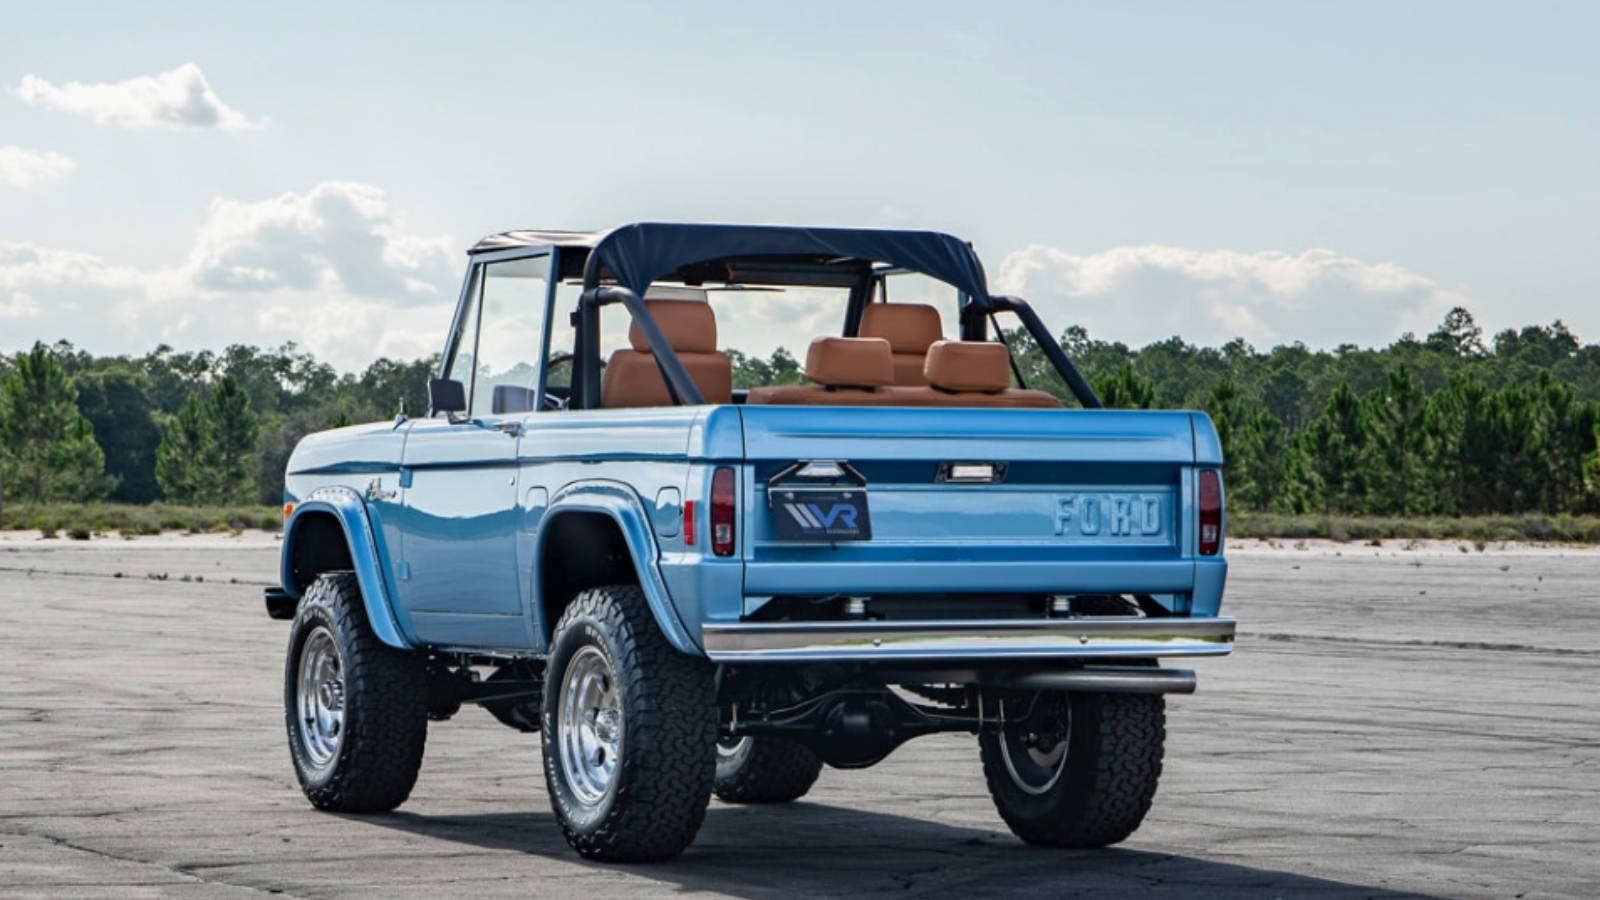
(971, 373)
(852, 372)
(910, 328)
(632, 377)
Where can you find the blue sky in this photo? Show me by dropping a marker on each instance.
(1332, 172)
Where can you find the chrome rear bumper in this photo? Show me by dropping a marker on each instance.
(1036, 639)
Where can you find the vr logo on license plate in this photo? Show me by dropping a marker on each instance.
(820, 515)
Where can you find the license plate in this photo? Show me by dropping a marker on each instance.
(812, 514)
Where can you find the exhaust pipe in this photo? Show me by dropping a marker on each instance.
(1104, 680)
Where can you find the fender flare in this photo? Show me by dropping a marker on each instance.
(350, 511)
(622, 505)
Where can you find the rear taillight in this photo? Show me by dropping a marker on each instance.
(723, 510)
(1210, 513)
(688, 522)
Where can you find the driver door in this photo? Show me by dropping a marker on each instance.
(458, 583)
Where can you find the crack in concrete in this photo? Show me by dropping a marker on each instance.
(177, 871)
(1363, 725)
(1291, 638)
(124, 576)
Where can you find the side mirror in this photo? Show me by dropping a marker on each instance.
(446, 396)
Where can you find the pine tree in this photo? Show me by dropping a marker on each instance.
(47, 448)
(1566, 427)
(207, 453)
(1326, 466)
(1223, 406)
(1261, 448)
(1399, 445)
(1450, 452)
(114, 400)
(1591, 466)
(1124, 389)
(231, 450)
(181, 466)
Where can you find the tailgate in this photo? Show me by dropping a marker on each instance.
(1054, 501)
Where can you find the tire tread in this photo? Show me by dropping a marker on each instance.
(670, 714)
(768, 770)
(380, 753)
(1112, 771)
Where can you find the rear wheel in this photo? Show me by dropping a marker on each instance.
(762, 769)
(356, 709)
(1077, 770)
(629, 727)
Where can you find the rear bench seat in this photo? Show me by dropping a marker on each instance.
(971, 373)
(910, 329)
(852, 372)
(860, 372)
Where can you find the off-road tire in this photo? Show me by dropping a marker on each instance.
(1104, 783)
(764, 769)
(654, 719)
(368, 761)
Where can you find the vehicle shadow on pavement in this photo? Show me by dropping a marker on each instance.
(811, 850)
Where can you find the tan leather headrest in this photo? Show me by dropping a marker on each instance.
(908, 327)
(690, 327)
(968, 367)
(850, 362)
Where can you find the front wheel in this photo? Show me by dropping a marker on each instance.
(1076, 770)
(629, 727)
(356, 709)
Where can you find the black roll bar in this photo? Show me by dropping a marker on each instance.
(1052, 350)
(673, 373)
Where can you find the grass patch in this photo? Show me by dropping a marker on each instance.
(81, 520)
(1534, 527)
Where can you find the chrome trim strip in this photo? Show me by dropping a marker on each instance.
(1064, 639)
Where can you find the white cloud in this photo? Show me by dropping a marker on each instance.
(181, 98)
(20, 306)
(1143, 294)
(26, 265)
(331, 269)
(338, 236)
(23, 168)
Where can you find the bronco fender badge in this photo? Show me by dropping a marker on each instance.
(375, 491)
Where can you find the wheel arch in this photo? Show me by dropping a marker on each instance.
(594, 534)
(329, 532)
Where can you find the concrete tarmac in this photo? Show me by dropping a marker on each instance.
(1396, 722)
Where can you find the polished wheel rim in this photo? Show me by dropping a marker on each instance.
(591, 726)
(1036, 762)
(321, 697)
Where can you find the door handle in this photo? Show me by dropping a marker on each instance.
(509, 429)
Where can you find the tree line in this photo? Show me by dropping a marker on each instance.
(1447, 424)
(202, 428)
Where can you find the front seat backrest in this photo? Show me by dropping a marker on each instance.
(632, 377)
(910, 329)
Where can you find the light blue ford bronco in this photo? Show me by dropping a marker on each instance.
(691, 589)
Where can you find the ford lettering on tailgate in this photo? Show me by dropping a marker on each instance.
(1128, 517)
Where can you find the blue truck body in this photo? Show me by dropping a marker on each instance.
(850, 567)
(445, 519)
